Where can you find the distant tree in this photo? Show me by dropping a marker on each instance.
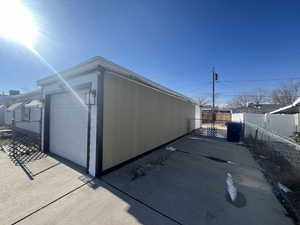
(286, 93)
(259, 96)
(239, 101)
(256, 97)
(202, 101)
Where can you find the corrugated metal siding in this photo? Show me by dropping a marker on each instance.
(138, 118)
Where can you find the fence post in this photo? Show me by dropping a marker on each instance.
(41, 131)
(13, 123)
(255, 138)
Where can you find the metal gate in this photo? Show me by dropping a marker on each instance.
(17, 142)
(212, 128)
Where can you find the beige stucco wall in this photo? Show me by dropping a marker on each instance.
(137, 118)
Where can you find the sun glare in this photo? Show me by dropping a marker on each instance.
(17, 22)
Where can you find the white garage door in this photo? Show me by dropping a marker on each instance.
(68, 127)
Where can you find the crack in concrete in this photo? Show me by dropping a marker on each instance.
(50, 203)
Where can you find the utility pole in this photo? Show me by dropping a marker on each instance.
(213, 89)
(214, 78)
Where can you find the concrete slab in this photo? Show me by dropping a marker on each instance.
(96, 204)
(184, 186)
(93, 203)
(217, 147)
(19, 196)
(192, 189)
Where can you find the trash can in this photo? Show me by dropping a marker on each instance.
(234, 131)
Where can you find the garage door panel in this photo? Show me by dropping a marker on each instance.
(68, 127)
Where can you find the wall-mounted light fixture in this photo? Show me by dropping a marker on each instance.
(90, 97)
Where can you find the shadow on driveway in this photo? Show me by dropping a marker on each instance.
(161, 188)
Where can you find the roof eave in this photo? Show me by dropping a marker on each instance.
(283, 109)
(80, 69)
(94, 63)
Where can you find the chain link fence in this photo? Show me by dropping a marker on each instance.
(277, 145)
(279, 158)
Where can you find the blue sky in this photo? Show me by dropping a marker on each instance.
(175, 43)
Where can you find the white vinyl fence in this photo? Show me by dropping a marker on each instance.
(282, 125)
(274, 130)
(32, 123)
(237, 117)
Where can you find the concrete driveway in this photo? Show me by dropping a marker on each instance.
(164, 187)
(191, 188)
(61, 193)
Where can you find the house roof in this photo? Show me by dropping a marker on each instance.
(30, 95)
(102, 63)
(289, 109)
(34, 103)
(216, 110)
(261, 108)
(14, 106)
(4, 99)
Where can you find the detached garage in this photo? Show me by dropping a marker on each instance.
(99, 115)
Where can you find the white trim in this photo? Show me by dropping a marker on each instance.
(96, 62)
(15, 106)
(34, 103)
(294, 104)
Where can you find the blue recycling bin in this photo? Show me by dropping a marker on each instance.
(234, 131)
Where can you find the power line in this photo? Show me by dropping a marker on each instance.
(261, 80)
(228, 83)
(238, 94)
(225, 82)
(255, 80)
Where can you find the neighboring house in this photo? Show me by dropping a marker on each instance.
(283, 121)
(256, 108)
(217, 110)
(24, 112)
(4, 99)
(99, 115)
(10, 113)
(289, 109)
